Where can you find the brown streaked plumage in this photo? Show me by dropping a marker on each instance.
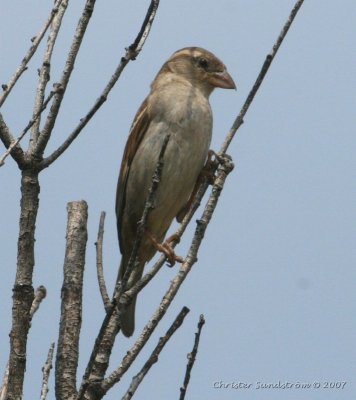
(177, 104)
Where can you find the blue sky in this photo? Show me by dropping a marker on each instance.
(275, 276)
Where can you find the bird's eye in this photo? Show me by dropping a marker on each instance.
(203, 62)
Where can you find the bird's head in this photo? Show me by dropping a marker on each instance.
(200, 67)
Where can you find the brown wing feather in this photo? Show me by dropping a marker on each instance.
(137, 132)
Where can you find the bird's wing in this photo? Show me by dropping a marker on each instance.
(137, 132)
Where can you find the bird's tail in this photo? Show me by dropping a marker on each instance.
(128, 319)
(128, 316)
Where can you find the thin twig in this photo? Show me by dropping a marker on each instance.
(66, 74)
(268, 61)
(8, 139)
(134, 49)
(143, 221)
(23, 66)
(131, 53)
(44, 72)
(137, 379)
(14, 143)
(40, 294)
(191, 358)
(46, 371)
(99, 264)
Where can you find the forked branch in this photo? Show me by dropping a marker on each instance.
(35, 43)
(131, 53)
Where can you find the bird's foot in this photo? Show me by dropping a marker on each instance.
(210, 167)
(212, 163)
(166, 247)
(209, 173)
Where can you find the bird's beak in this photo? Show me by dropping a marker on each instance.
(222, 80)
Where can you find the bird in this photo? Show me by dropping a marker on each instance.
(178, 106)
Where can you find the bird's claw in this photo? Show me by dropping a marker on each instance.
(219, 158)
(210, 166)
(212, 163)
(166, 248)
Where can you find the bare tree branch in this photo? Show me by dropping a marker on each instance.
(23, 292)
(71, 309)
(66, 74)
(131, 53)
(137, 379)
(191, 358)
(9, 142)
(46, 371)
(99, 264)
(13, 147)
(39, 296)
(35, 43)
(135, 48)
(268, 61)
(44, 72)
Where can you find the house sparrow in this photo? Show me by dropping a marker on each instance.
(178, 104)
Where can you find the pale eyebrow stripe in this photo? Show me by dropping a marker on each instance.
(185, 53)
